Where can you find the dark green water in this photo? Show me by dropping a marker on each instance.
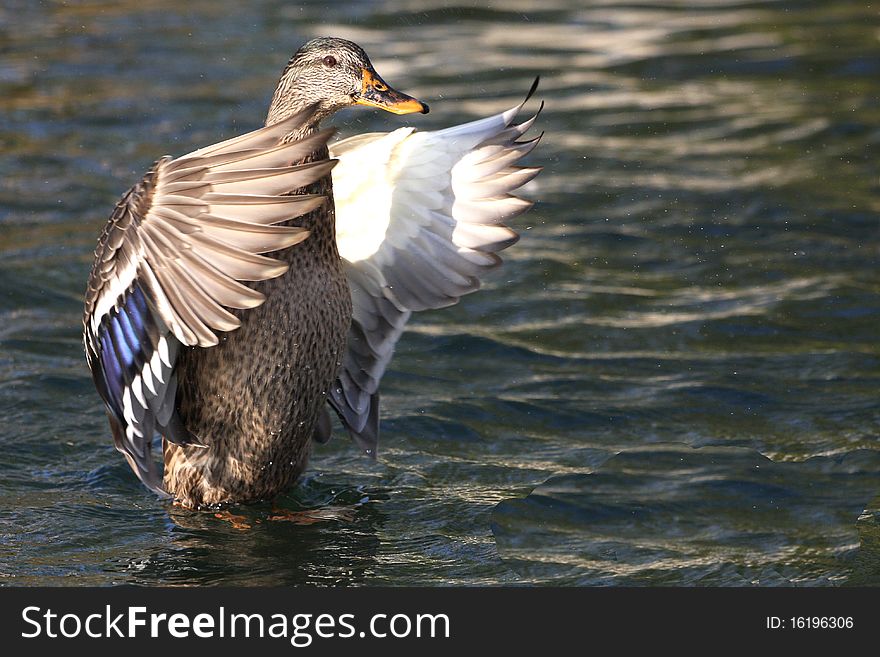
(673, 380)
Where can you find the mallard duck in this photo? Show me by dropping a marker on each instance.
(234, 357)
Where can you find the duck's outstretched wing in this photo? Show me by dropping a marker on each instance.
(419, 219)
(170, 262)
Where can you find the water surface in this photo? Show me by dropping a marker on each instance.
(673, 379)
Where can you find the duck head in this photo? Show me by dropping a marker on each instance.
(334, 73)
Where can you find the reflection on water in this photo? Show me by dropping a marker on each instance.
(671, 515)
(701, 269)
(200, 550)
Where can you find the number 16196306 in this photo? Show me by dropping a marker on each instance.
(810, 623)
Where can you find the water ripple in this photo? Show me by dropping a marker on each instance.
(700, 269)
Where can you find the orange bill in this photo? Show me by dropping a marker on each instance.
(375, 93)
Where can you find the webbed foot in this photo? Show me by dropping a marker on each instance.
(237, 522)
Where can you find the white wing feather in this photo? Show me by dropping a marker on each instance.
(419, 218)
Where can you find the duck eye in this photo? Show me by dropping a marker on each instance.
(329, 60)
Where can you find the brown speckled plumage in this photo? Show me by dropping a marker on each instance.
(254, 399)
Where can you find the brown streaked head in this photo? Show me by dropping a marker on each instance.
(333, 73)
